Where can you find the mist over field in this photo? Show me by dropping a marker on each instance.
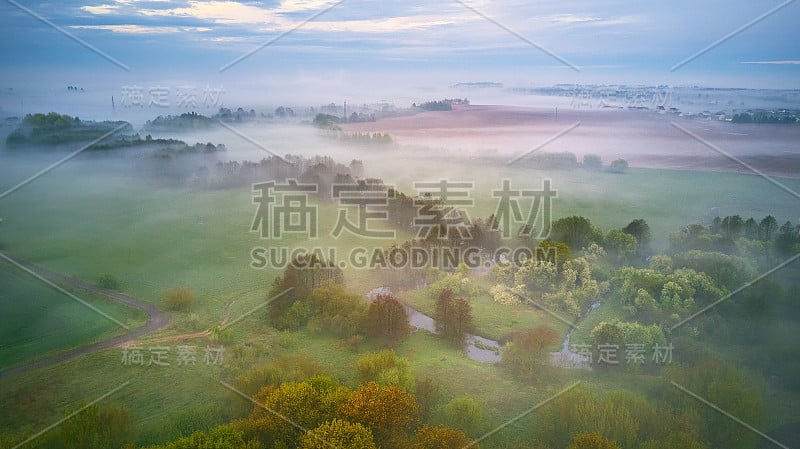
(300, 224)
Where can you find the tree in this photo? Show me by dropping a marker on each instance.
(301, 276)
(729, 389)
(385, 368)
(453, 318)
(463, 413)
(620, 244)
(618, 166)
(787, 239)
(641, 230)
(427, 393)
(528, 352)
(388, 410)
(441, 437)
(335, 310)
(577, 232)
(339, 434)
(387, 320)
(592, 161)
(306, 404)
(607, 335)
(751, 228)
(553, 252)
(222, 437)
(767, 228)
(592, 441)
(732, 226)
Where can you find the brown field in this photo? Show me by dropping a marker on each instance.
(644, 138)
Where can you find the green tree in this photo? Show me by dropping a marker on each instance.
(463, 413)
(641, 230)
(767, 228)
(222, 437)
(577, 232)
(335, 310)
(620, 244)
(728, 388)
(385, 368)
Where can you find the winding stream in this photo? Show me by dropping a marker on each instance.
(486, 350)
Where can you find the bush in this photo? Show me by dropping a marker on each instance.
(178, 299)
(108, 282)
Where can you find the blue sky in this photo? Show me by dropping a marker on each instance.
(405, 42)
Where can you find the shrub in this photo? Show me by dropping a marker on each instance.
(178, 299)
(108, 282)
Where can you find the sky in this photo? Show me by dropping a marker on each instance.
(382, 48)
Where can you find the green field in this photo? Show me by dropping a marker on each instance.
(84, 223)
(39, 320)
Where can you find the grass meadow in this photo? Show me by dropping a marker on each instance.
(83, 222)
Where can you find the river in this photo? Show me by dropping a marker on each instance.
(486, 350)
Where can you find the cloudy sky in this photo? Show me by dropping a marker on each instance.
(404, 42)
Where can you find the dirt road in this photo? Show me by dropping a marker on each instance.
(156, 319)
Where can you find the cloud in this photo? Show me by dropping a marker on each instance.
(276, 20)
(140, 29)
(101, 9)
(571, 18)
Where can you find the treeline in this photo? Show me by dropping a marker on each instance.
(366, 138)
(322, 171)
(53, 128)
(164, 147)
(780, 117)
(441, 105)
(568, 161)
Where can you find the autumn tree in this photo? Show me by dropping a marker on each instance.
(427, 393)
(388, 411)
(592, 441)
(453, 318)
(338, 434)
(441, 437)
(527, 354)
(280, 410)
(387, 320)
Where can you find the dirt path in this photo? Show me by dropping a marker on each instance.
(156, 319)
